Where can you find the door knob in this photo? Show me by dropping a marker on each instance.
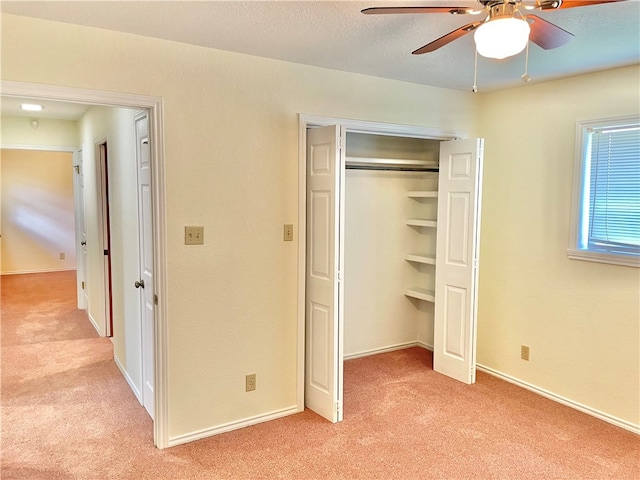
(83, 243)
(139, 284)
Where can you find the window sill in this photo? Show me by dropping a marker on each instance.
(601, 257)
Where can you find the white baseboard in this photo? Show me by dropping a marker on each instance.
(389, 348)
(227, 427)
(564, 401)
(44, 270)
(93, 322)
(129, 380)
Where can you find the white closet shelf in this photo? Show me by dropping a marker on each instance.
(397, 162)
(422, 194)
(420, 258)
(421, 294)
(418, 222)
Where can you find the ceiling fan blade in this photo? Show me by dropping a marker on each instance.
(448, 38)
(546, 34)
(555, 4)
(394, 10)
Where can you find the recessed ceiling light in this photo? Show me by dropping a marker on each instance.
(31, 107)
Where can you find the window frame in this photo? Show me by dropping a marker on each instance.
(574, 251)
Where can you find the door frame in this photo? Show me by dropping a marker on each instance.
(104, 229)
(306, 121)
(154, 105)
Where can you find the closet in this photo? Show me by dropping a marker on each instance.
(390, 238)
(392, 229)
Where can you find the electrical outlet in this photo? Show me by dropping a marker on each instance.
(62, 255)
(524, 352)
(250, 382)
(288, 232)
(193, 235)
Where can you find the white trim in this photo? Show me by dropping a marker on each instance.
(45, 148)
(129, 380)
(601, 257)
(380, 128)
(93, 322)
(155, 107)
(390, 348)
(574, 251)
(42, 270)
(564, 401)
(425, 346)
(227, 427)
(360, 126)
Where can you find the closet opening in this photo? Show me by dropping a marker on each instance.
(383, 256)
(389, 255)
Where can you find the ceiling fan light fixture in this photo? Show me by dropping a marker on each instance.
(502, 37)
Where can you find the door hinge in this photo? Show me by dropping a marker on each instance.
(106, 252)
(155, 299)
(338, 407)
(82, 284)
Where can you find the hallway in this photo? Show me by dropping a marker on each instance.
(60, 385)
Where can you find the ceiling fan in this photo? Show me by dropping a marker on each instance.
(506, 28)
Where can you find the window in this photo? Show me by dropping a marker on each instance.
(606, 213)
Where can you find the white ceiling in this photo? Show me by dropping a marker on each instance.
(10, 107)
(336, 35)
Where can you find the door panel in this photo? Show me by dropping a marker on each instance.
(459, 192)
(323, 358)
(81, 232)
(143, 155)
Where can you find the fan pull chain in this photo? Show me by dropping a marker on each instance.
(474, 89)
(526, 77)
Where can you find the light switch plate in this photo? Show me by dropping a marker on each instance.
(193, 235)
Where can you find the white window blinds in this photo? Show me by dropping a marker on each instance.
(614, 190)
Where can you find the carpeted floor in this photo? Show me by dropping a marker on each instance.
(67, 413)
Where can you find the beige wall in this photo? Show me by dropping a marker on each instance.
(581, 319)
(230, 125)
(37, 211)
(17, 131)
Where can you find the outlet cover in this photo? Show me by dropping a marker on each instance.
(288, 232)
(62, 256)
(250, 382)
(524, 352)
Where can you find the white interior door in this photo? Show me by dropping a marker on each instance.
(145, 284)
(324, 286)
(81, 232)
(457, 246)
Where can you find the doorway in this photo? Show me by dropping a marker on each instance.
(103, 162)
(153, 106)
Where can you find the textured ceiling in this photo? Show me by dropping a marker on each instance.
(336, 35)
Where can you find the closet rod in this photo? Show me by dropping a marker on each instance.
(394, 164)
(392, 168)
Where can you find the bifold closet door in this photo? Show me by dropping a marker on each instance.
(457, 248)
(324, 286)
